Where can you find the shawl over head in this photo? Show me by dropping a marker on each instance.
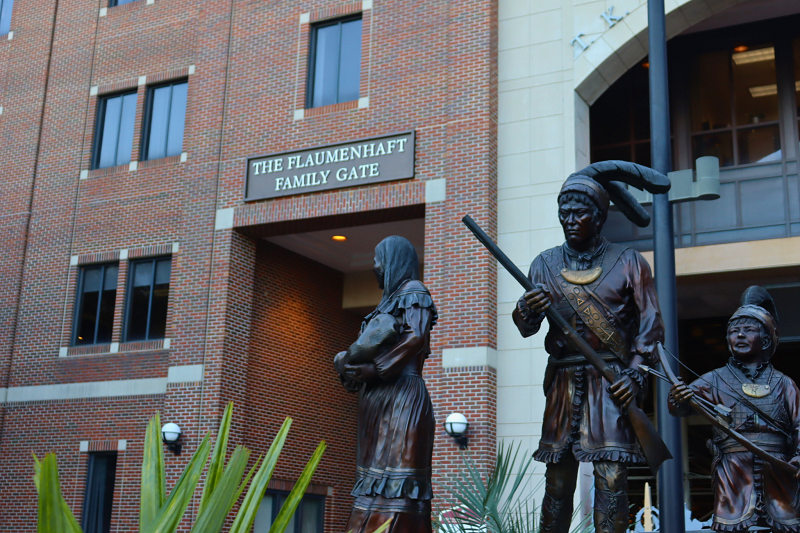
(401, 265)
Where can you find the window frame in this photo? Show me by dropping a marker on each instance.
(10, 16)
(129, 297)
(115, 3)
(298, 524)
(79, 302)
(99, 126)
(88, 486)
(148, 116)
(312, 53)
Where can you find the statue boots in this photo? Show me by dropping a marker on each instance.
(610, 497)
(556, 515)
(610, 511)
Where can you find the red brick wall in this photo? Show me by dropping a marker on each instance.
(428, 66)
(298, 326)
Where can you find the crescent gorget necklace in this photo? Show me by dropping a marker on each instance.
(754, 390)
(583, 277)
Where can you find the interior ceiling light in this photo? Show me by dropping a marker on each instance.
(646, 64)
(754, 56)
(741, 48)
(339, 238)
(769, 90)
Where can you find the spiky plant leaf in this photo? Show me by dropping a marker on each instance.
(170, 514)
(255, 494)
(293, 500)
(154, 479)
(225, 494)
(54, 515)
(217, 466)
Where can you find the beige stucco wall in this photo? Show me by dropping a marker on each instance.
(546, 85)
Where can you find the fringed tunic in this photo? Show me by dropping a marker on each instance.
(748, 491)
(580, 416)
(396, 426)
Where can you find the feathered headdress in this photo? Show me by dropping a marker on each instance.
(603, 181)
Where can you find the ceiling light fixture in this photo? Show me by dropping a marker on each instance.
(741, 48)
(754, 56)
(339, 238)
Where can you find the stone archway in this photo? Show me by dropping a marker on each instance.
(624, 44)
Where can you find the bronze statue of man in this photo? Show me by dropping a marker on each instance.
(606, 291)
(395, 415)
(765, 409)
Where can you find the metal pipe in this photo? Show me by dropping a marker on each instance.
(670, 476)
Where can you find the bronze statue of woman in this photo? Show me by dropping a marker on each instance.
(395, 415)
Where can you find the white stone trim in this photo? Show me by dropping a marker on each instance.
(150, 2)
(363, 102)
(435, 190)
(122, 445)
(133, 165)
(1, 110)
(299, 114)
(91, 389)
(11, 36)
(103, 11)
(184, 157)
(3, 395)
(83, 446)
(185, 373)
(166, 344)
(175, 247)
(142, 81)
(192, 69)
(63, 351)
(366, 4)
(224, 219)
(113, 347)
(123, 254)
(93, 90)
(477, 356)
(305, 18)
(84, 174)
(73, 260)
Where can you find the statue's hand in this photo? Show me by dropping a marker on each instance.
(361, 373)
(537, 300)
(795, 462)
(681, 392)
(624, 390)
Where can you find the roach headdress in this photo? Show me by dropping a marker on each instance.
(603, 181)
(757, 303)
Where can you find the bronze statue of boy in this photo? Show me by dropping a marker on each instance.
(765, 409)
(606, 291)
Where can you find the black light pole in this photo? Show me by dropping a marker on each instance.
(670, 476)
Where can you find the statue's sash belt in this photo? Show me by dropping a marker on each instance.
(588, 308)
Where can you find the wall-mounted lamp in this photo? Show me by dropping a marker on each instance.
(688, 185)
(170, 433)
(456, 426)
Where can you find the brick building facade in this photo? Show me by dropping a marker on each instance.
(247, 320)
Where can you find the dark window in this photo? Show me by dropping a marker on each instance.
(113, 3)
(308, 518)
(95, 300)
(148, 293)
(99, 499)
(6, 6)
(113, 138)
(335, 63)
(164, 119)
